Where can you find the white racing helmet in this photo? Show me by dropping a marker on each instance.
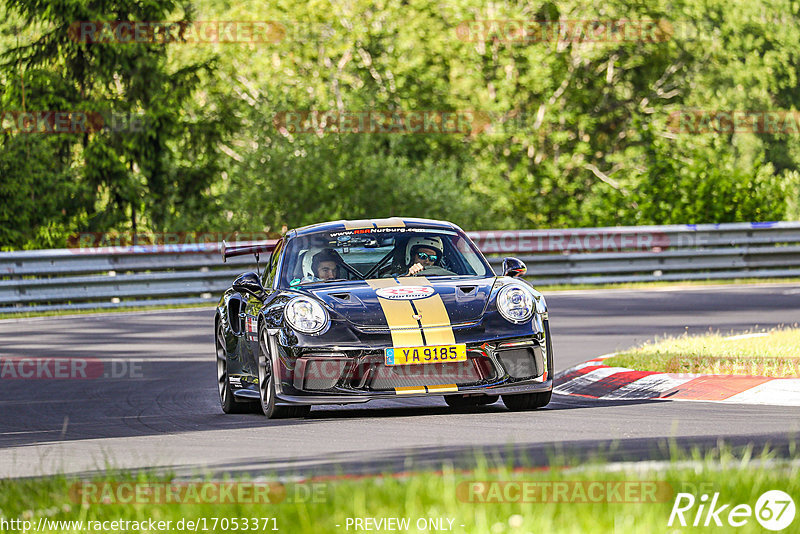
(431, 242)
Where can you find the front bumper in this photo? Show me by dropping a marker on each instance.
(342, 376)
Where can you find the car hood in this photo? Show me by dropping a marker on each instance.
(366, 303)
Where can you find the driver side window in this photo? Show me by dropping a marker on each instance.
(271, 269)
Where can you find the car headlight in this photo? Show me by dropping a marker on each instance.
(306, 315)
(515, 303)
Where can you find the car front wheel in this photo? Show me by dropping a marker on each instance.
(226, 399)
(527, 401)
(266, 384)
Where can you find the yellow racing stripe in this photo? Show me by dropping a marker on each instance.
(358, 224)
(413, 281)
(378, 283)
(409, 390)
(435, 319)
(444, 388)
(399, 316)
(391, 222)
(404, 328)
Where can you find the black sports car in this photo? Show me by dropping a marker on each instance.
(352, 311)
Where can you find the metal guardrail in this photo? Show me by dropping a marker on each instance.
(651, 253)
(194, 273)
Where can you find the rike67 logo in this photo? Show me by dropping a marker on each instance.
(774, 510)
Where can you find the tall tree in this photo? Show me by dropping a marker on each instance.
(158, 155)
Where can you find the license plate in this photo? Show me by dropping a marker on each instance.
(422, 355)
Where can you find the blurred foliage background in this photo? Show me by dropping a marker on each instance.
(585, 140)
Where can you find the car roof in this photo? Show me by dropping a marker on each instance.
(391, 222)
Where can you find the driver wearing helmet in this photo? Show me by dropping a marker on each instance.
(423, 252)
(326, 265)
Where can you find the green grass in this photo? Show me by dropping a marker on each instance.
(319, 506)
(775, 353)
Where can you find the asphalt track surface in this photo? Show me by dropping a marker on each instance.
(161, 410)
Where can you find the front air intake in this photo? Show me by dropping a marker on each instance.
(523, 362)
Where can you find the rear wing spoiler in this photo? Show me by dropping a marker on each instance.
(242, 249)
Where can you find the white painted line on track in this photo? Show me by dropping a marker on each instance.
(106, 314)
(666, 465)
(745, 336)
(555, 292)
(132, 359)
(669, 289)
(578, 383)
(593, 361)
(29, 432)
(584, 364)
(779, 391)
(646, 386)
(773, 392)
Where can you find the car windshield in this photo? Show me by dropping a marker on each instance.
(379, 253)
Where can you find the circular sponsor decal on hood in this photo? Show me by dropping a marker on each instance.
(405, 292)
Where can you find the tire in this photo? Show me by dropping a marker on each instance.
(460, 401)
(226, 399)
(266, 384)
(527, 401)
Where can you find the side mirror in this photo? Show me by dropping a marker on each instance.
(249, 282)
(513, 267)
